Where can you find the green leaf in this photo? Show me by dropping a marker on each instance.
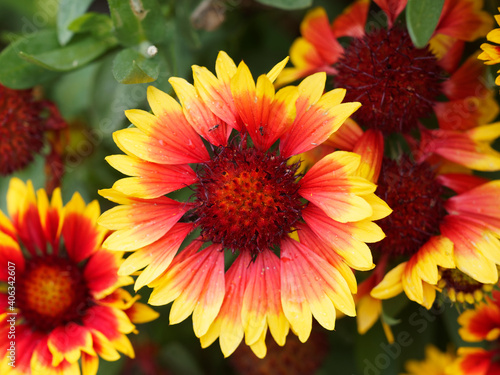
(98, 24)
(74, 55)
(18, 73)
(136, 21)
(422, 17)
(69, 10)
(287, 4)
(130, 67)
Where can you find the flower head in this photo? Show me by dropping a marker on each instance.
(68, 302)
(24, 122)
(480, 324)
(463, 237)
(231, 140)
(399, 84)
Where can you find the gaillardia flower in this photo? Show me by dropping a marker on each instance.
(61, 301)
(481, 324)
(230, 140)
(399, 84)
(25, 122)
(441, 235)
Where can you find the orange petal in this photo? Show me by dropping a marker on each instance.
(261, 306)
(198, 114)
(228, 325)
(352, 21)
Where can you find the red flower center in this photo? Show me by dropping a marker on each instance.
(51, 292)
(396, 82)
(248, 199)
(21, 129)
(459, 281)
(416, 199)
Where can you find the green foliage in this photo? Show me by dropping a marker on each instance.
(18, 73)
(69, 10)
(131, 66)
(136, 21)
(74, 55)
(287, 4)
(422, 17)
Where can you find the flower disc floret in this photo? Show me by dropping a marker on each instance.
(52, 292)
(415, 196)
(396, 82)
(247, 200)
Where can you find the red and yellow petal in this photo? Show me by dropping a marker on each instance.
(228, 325)
(167, 139)
(464, 20)
(415, 287)
(156, 257)
(480, 203)
(10, 252)
(314, 243)
(90, 364)
(329, 185)
(68, 342)
(197, 286)
(261, 305)
(41, 362)
(315, 28)
(199, 115)
(315, 123)
(310, 285)
(26, 343)
(306, 60)
(139, 224)
(471, 148)
(100, 273)
(109, 321)
(23, 210)
(347, 239)
(150, 180)
(482, 323)
(169, 125)
(82, 236)
(467, 113)
(352, 21)
(51, 215)
(438, 251)
(477, 251)
(141, 313)
(265, 119)
(447, 50)
(466, 81)
(370, 146)
(216, 91)
(346, 137)
(474, 361)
